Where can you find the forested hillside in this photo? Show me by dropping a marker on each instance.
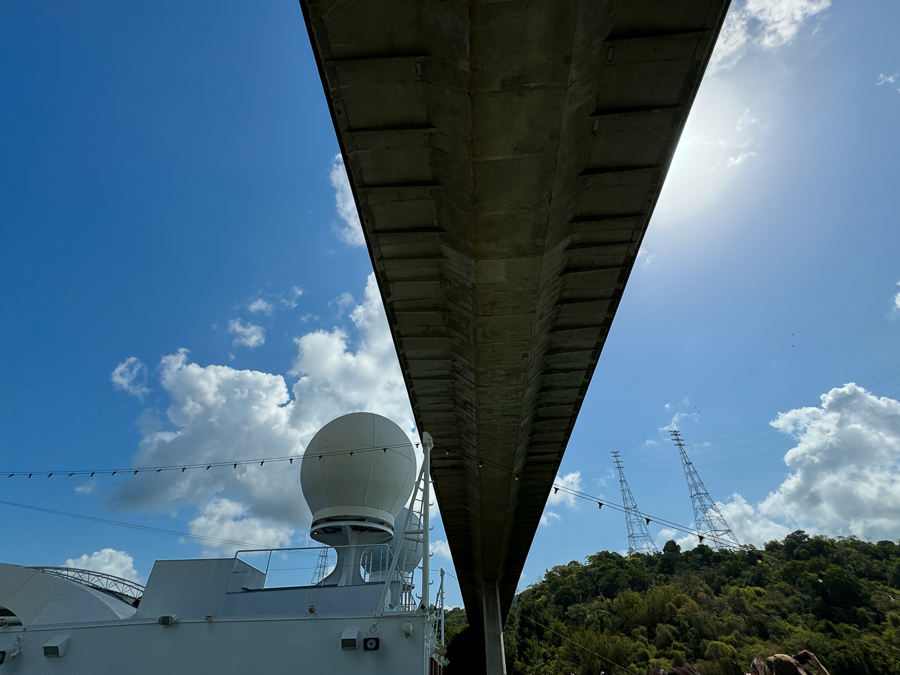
(715, 609)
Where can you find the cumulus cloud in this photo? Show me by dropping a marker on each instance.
(886, 79)
(334, 379)
(750, 526)
(548, 516)
(131, 376)
(225, 519)
(897, 300)
(441, 549)
(260, 305)
(685, 541)
(107, 561)
(767, 24)
(218, 414)
(845, 472)
(571, 481)
(248, 334)
(351, 229)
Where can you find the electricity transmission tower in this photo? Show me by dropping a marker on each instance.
(707, 516)
(639, 539)
(321, 567)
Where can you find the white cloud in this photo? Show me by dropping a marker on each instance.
(610, 475)
(87, 487)
(685, 541)
(344, 300)
(351, 231)
(107, 561)
(260, 305)
(131, 376)
(897, 300)
(739, 159)
(218, 413)
(749, 526)
(571, 481)
(677, 418)
(289, 299)
(746, 120)
(441, 549)
(885, 79)
(285, 300)
(549, 516)
(248, 334)
(334, 379)
(767, 24)
(845, 472)
(226, 519)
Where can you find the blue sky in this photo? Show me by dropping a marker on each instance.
(182, 281)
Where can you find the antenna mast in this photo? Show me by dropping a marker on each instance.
(707, 516)
(639, 539)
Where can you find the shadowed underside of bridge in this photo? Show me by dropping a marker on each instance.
(505, 157)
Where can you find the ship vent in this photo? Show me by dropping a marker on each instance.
(56, 646)
(350, 639)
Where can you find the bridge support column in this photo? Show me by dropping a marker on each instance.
(495, 657)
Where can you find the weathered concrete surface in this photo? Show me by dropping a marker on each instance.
(505, 157)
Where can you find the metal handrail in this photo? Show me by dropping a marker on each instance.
(366, 562)
(123, 589)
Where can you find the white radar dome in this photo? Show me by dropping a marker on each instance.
(357, 474)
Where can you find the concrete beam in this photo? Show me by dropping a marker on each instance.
(505, 158)
(494, 651)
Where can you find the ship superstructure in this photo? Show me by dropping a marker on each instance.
(217, 615)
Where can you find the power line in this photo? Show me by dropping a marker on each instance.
(134, 526)
(601, 502)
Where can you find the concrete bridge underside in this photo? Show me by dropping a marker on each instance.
(505, 157)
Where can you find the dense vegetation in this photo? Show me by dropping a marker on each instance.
(715, 609)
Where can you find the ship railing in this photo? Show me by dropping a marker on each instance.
(374, 565)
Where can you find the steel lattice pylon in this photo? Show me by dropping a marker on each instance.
(639, 539)
(321, 567)
(707, 516)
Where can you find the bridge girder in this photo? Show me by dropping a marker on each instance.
(505, 158)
